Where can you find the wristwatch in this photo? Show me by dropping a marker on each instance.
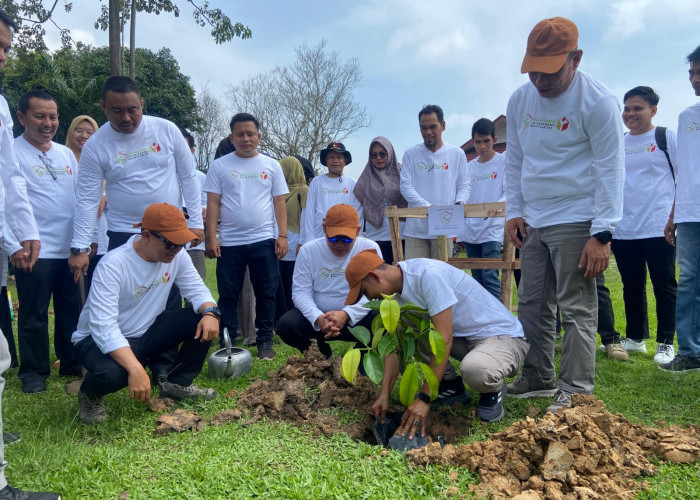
(423, 397)
(604, 237)
(76, 251)
(212, 310)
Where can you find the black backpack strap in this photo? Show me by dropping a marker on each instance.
(660, 134)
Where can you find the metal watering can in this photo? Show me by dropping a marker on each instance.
(230, 362)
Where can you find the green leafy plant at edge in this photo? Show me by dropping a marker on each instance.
(397, 328)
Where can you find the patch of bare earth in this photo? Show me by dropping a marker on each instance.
(583, 452)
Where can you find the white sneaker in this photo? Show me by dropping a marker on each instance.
(633, 345)
(664, 354)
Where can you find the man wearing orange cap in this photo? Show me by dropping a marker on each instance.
(319, 286)
(123, 326)
(564, 180)
(477, 329)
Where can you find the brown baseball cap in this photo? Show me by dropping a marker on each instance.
(549, 44)
(342, 219)
(359, 267)
(168, 221)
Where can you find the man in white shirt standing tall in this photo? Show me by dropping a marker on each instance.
(245, 190)
(50, 173)
(564, 179)
(432, 173)
(683, 231)
(23, 225)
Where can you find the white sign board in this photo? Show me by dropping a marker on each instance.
(445, 219)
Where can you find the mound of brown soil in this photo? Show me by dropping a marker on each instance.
(582, 452)
(307, 390)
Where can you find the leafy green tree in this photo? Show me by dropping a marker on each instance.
(75, 77)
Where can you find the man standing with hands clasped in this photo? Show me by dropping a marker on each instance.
(564, 179)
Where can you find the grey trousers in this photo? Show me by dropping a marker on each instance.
(4, 365)
(418, 247)
(549, 261)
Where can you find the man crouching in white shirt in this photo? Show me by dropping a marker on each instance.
(319, 286)
(478, 331)
(123, 324)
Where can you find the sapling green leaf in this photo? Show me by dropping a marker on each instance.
(373, 367)
(432, 380)
(410, 306)
(409, 384)
(351, 362)
(387, 345)
(409, 344)
(377, 330)
(437, 344)
(390, 313)
(360, 333)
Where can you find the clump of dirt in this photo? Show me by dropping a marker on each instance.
(179, 421)
(306, 390)
(582, 452)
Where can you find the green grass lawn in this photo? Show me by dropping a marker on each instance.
(271, 460)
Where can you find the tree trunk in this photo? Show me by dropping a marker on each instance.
(115, 61)
(132, 42)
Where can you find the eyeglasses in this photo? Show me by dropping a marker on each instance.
(47, 165)
(344, 239)
(375, 156)
(169, 245)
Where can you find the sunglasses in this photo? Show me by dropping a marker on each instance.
(375, 156)
(169, 245)
(344, 239)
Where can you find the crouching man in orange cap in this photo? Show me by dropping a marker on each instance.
(123, 326)
(477, 329)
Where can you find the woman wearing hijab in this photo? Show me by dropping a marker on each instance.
(296, 203)
(378, 188)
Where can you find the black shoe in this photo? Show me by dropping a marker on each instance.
(34, 386)
(325, 349)
(451, 392)
(682, 364)
(265, 351)
(490, 407)
(10, 493)
(10, 437)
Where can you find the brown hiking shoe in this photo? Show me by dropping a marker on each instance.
(92, 411)
(616, 352)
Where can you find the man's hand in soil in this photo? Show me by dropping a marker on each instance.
(417, 412)
(380, 407)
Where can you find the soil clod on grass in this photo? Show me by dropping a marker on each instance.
(578, 453)
(179, 421)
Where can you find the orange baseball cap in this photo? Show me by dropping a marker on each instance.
(168, 221)
(359, 267)
(342, 219)
(549, 44)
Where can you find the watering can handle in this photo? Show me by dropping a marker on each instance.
(227, 341)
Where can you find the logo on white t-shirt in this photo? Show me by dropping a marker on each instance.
(334, 191)
(430, 167)
(141, 290)
(38, 171)
(122, 158)
(235, 174)
(650, 148)
(693, 126)
(325, 273)
(484, 177)
(155, 147)
(531, 122)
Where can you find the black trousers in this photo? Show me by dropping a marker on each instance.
(286, 278)
(170, 330)
(49, 277)
(295, 330)
(633, 257)
(388, 251)
(6, 327)
(261, 261)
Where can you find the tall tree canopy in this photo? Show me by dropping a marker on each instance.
(74, 76)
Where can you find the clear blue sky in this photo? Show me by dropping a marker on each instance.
(461, 54)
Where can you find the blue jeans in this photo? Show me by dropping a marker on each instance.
(688, 303)
(261, 260)
(488, 278)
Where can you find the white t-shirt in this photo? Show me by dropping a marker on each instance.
(428, 178)
(293, 239)
(20, 216)
(127, 294)
(688, 166)
(487, 186)
(324, 192)
(319, 283)
(436, 285)
(52, 200)
(148, 166)
(246, 186)
(382, 233)
(201, 178)
(649, 187)
(565, 160)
